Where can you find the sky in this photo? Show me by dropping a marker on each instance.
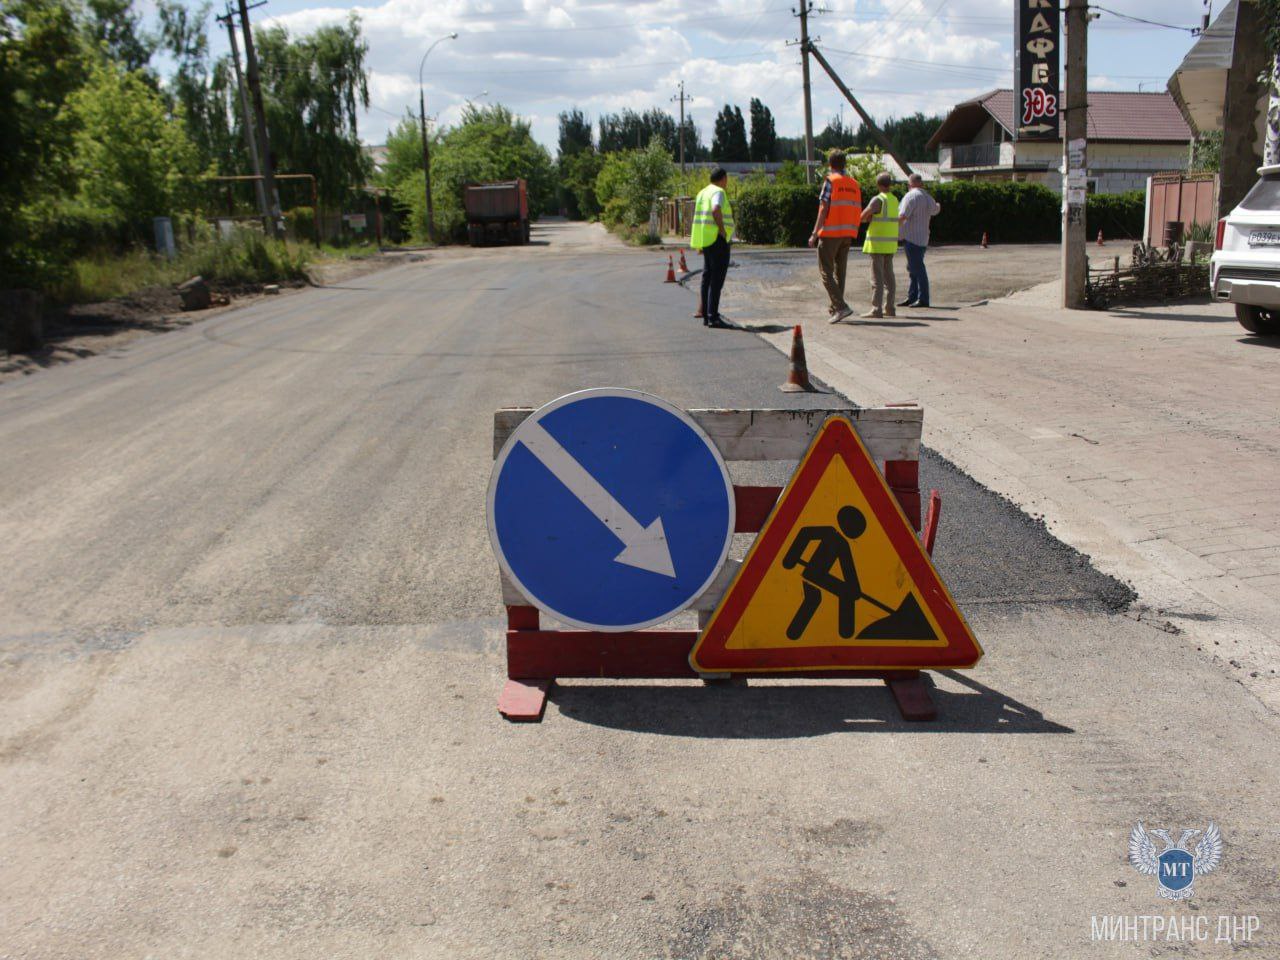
(540, 57)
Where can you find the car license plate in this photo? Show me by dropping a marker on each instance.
(1264, 238)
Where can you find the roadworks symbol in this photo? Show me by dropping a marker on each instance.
(836, 579)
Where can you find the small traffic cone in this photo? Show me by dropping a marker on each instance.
(671, 271)
(798, 375)
(984, 239)
(684, 267)
(1100, 238)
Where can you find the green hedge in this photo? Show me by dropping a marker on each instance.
(1007, 212)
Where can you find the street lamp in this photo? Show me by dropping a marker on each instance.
(426, 153)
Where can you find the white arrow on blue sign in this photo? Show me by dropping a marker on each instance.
(610, 509)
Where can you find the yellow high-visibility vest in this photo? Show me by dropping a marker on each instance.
(705, 230)
(882, 231)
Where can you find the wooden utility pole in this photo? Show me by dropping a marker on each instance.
(681, 98)
(1075, 260)
(246, 118)
(866, 117)
(260, 114)
(803, 14)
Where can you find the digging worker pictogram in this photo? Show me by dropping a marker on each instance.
(819, 575)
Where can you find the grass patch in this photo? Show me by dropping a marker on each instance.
(246, 258)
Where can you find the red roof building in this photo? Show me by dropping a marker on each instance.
(1131, 136)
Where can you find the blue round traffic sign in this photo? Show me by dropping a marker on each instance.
(610, 509)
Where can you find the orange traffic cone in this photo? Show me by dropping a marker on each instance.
(798, 375)
(684, 267)
(671, 272)
(984, 239)
(1100, 238)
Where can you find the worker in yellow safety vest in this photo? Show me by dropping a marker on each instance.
(880, 245)
(839, 217)
(712, 234)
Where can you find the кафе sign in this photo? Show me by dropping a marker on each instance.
(1037, 37)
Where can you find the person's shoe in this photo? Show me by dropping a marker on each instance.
(718, 324)
(925, 305)
(908, 303)
(844, 313)
(872, 315)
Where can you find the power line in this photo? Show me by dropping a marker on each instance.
(1150, 23)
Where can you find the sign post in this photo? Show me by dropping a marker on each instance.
(1035, 69)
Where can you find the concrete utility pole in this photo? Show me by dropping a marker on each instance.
(246, 118)
(803, 14)
(1075, 261)
(866, 117)
(426, 150)
(681, 98)
(260, 113)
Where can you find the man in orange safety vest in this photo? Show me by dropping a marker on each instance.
(839, 215)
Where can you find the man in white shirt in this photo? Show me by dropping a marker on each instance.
(913, 224)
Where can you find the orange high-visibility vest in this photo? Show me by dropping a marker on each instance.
(845, 212)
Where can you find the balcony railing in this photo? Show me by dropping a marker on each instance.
(976, 155)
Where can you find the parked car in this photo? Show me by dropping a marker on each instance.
(1245, 268)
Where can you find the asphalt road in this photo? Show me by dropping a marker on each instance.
(251, 642)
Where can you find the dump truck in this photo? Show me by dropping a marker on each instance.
(496, 212)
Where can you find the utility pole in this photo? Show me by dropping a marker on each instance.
(246, 118)
(681, 98)
(1075, 261)
(260, 113)
(426, 166)
(803, 14)
(866, 117)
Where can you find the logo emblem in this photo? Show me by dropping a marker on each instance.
(1175, 868)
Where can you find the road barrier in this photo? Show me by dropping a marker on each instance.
(889, 436)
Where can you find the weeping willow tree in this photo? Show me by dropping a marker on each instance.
(314, 86)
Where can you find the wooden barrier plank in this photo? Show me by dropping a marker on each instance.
(890, 433)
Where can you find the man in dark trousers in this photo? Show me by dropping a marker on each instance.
(712, 233)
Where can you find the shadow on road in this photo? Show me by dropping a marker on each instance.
(779, 712)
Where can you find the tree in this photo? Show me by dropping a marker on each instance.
(491, 143)
(43, 59)
(764, 138)
(909, 135)
(130, 160)
(577, 192)
(314, 87)
(693, 148)
(834, 135)
(729, 144)
(630, 181)
(117, 29)
(575, 133)
(630, 130)
(200, 92)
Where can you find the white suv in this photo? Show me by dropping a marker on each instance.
(1245, 269)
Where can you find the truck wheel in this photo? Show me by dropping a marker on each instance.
(526, 231)
(1265, 323)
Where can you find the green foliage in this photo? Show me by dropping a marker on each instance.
(629, 182)
(301, 222)
(729, 145)
(314, 87)
(130, 162)
(577, 183)
(1206, 152)
(1117, 215)
(780, 213)
(909, 136)
(764, 138)
(491, 143)
(783, 213)
(790, 173)
(247, 258)
(575, 133)
(199, 92)
(116, 28)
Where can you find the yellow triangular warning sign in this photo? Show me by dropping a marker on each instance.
(836, 580)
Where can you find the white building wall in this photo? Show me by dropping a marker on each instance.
(1113, 167)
